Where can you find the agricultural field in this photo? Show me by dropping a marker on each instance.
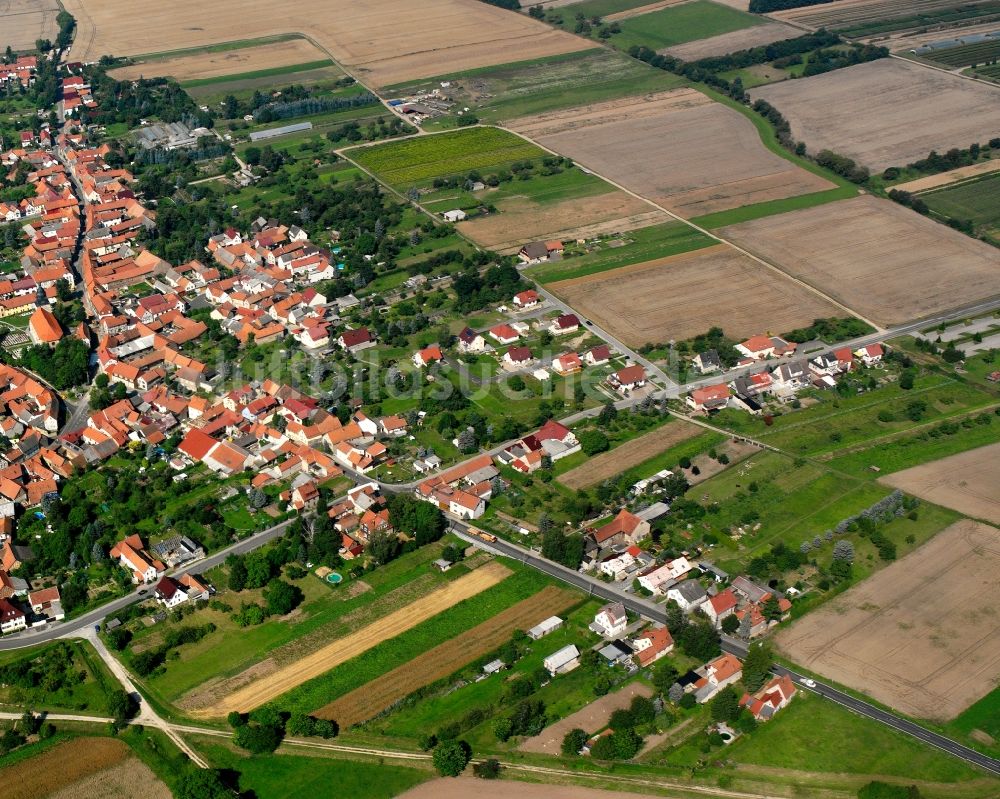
(612, 252)
(966, 482)
(261, 691)
(471, 788)
(383, 42)
(373, 697)
(744, 39)
(964, 55)
(23, 22)
(656, 146)
(877, 113)
(975, 200)
(271, 57)
(861, 18)
(521, 88)
(666, 299)
(632, 453)
(82, 766)
(677, 24)
(874, 256)
(942, 179)
(951, 654)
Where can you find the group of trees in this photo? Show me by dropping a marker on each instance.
(148, 661)
(64, 366)
(695, 635)
(261, 569)
(134, 100)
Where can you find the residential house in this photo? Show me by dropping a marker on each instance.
(517, 358)
(651, 645)
(356, 340)
(504, 334)
(709, 398)
(716, 675)
(132, 556)
(598, 356)
(625, 528)
(12, 618)
(568, 363)
(657, 579)
(688, 595)
(870, 355)
(720, 606)
(759, 348)
(626, 380)
(775, 695)
(526, 299)
(427, 356)
(611, 620)
(566, 323)
(708, 361)
(471, 341)
(47, 602)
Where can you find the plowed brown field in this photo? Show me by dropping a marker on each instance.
(684, 295)
(61, 766)
(370, 699)
(383, 41)
(679, 149)
(343, 649)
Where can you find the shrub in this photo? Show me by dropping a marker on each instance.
(451, 757)
(574, 741)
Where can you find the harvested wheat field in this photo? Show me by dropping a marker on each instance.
(522, 220)
(197, 66)
(951, 176)
(875, 256)
(372, 698)
(968, 482)
(684, 295)
(343, 649)
(679, 149)
(382, 41)
(922, 635)
(629, 454)
(23, 22)
(886, 113)
(82, 763)
(754, 36)
(592, 718)
(472, 788)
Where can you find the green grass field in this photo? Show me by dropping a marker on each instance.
(636, 246)
(523, 88)
(976, 200)
(86, 697)
(272, 72)
(386, 655)
(280, 775)
(418, 160)
(745, 213)
(813, 734)
(983, 716)
(683, 23)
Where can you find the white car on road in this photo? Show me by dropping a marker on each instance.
(807, 682)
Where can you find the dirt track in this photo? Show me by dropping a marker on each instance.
(370, 699)
(383, 41)
(968, 482)
(922, 635)
(350, 646)
(684, 295)
(629, 454)
(875, 256)
(886, 113)
(679, 149)
(229, 62)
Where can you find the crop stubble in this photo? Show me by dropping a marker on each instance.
(877, 257)
(885, 113)
(631, 453)
(744, 39)
(350, 646)
(967, 482)
(368, 700)
(684, 295)
(383, 41)
(23, 22)
(922, 635)
(679, 149)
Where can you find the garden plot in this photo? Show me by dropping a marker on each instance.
(882, 638)
(684, 295)
(877, 257)
(679, 149)
(967, 482)
(23, 22)
(383, 41)
(885, 113)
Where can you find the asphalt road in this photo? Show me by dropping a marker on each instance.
(734, 646)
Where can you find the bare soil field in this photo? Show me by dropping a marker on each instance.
(731, 42)
(592, 718)
(343, 649)
(285, 53)
(876, 257)
(882, 638)
(684, 295)
(472, 788)
(708, 466)
(131, 777)
(885, 113)
(947, 178)
(629, 454)
(370, 699)
(522, 220)
(62, 766)
(679, 149)
(968, 482)
(382, 41)
(22, 22)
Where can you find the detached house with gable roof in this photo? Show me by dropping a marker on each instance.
(625, 528)
(132, 556)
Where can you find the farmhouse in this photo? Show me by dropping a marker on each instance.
(171, 592)
(628, 379)
(544, 627)
(625, 528)
(611, 620)
(657, 579)
(538, 251)
(562, 661)
(770, 699)
(47, 602)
